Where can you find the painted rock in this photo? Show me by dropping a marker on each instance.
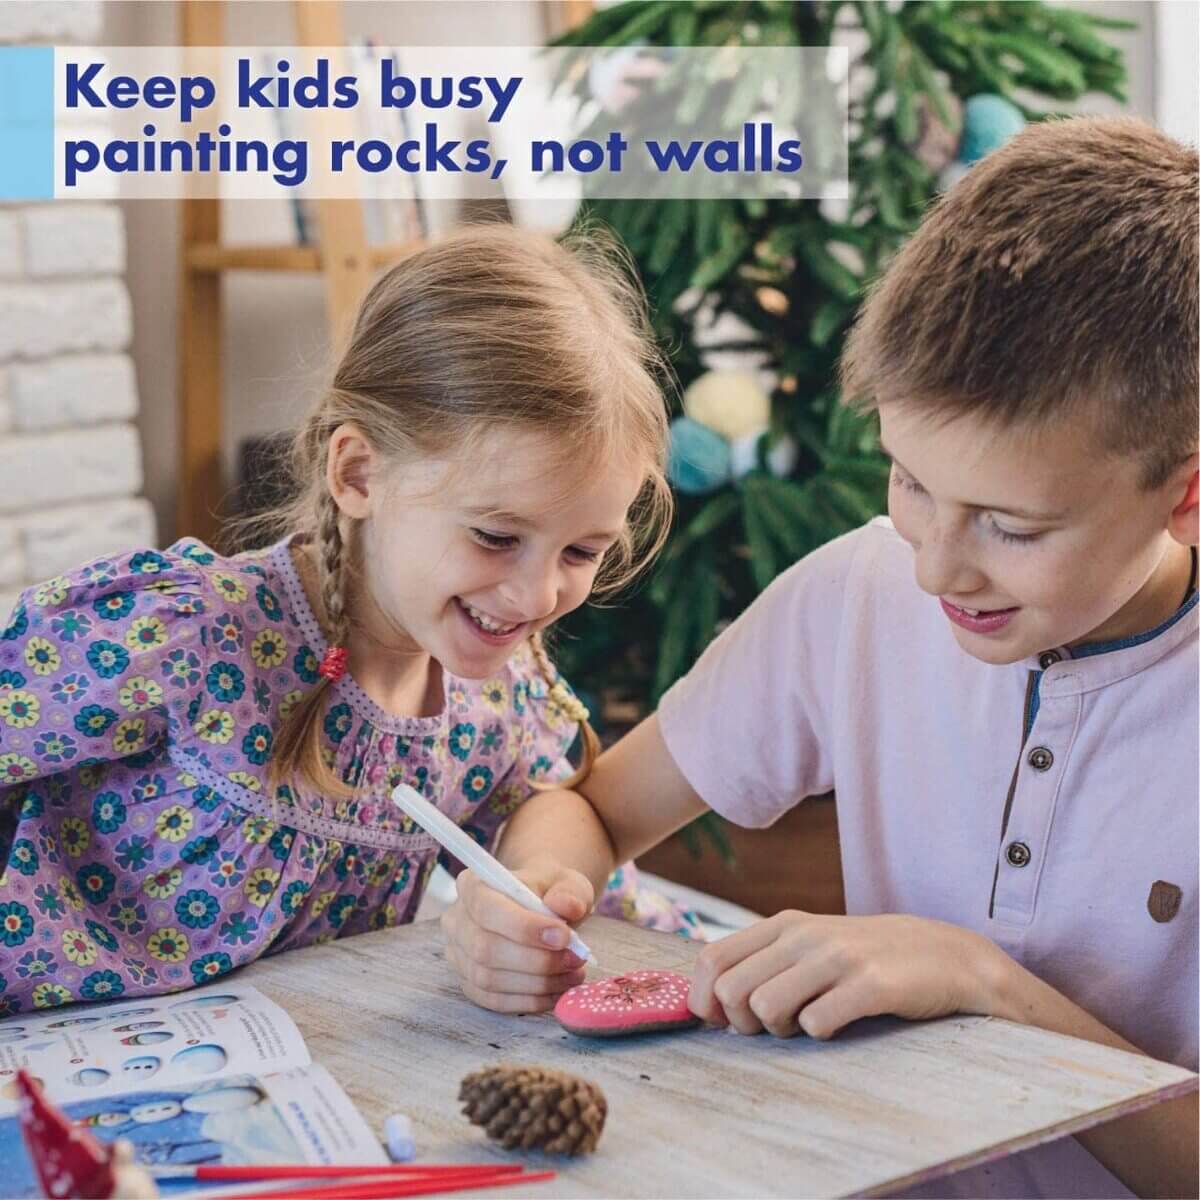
(640, 1002)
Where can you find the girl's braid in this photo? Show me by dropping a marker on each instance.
(330, 553)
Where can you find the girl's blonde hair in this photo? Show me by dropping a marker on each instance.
(492, 328)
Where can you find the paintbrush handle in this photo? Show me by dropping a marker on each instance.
(235, 1173)
(392, 1189)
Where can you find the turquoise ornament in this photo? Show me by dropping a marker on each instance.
(988, 122)
(698, 458)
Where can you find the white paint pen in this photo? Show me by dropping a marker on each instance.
(469, 851)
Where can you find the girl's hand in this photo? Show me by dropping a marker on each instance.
(508, 958)
(799, 971)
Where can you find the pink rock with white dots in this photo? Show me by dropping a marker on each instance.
(640, 1002)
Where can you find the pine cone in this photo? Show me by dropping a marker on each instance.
(535, 1108)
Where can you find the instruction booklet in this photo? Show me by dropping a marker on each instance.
(218, 1074)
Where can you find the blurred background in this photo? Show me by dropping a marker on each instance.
(153, 353)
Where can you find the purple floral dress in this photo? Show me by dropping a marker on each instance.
(138, 702)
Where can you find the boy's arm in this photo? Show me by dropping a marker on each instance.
(1155, 1152)
(804, 972)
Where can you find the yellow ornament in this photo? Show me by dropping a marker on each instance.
(732, 403)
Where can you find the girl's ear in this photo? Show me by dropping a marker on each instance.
(1184, 522)
(350, 468)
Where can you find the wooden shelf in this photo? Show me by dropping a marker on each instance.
(342, 256)
(211, 257)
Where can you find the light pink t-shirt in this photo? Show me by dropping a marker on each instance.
(843, 675)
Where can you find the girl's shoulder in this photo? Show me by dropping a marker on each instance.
(113, 590)
(142, 599)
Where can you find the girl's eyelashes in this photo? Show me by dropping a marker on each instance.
(506, 541)
(494, 541)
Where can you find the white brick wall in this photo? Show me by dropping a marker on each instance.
(40, 319)
(41, 469)
(70, 458)
(50, 20)
(74, 239)
(10, 246)
(6, 417)
(61, 538)
(71, 389)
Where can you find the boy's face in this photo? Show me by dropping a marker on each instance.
(1031, 540)
(470, 563)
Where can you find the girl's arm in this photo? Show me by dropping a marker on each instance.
(564, 845)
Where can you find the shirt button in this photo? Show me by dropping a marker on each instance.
(1017, 854)
(1040, 759)
(1047, 660)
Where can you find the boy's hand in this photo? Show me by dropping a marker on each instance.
(508, 958)
(798, 972)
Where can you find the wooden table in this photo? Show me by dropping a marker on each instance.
(705, 1113)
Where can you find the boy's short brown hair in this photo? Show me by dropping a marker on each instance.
(1056, 280)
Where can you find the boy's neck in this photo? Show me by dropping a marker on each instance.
(1155, 602)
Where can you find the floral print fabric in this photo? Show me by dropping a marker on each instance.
(139, 698)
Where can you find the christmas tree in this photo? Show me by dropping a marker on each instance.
(763, 479)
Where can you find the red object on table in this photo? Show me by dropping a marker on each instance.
(393, 1188)
(68, 1159)
(234, 1173)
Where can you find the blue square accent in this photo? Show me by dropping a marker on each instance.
(26, 122)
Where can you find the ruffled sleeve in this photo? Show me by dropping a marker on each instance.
(97, 665)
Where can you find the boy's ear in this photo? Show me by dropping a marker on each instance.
(1184, 522)
(349, 471)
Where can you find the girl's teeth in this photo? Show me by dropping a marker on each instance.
(486, 623)
(971, 612)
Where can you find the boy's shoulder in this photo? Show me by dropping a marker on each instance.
(873, 558)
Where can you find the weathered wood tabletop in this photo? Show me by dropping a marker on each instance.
(705, 1113)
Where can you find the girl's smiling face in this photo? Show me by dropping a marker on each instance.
(1032, 540)
(464, 562)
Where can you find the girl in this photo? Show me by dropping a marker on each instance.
(196, 752)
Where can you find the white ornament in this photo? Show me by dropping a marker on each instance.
(743, 457)
(781, 454)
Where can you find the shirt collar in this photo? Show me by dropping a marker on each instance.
(1098, 663)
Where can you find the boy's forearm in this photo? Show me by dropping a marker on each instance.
(562, 826)
(1154, 1152)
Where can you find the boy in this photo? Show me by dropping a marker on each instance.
(1013, 740)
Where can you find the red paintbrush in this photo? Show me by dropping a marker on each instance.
(394, 1187)
(243, 1174)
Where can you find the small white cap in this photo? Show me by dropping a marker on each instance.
(398, 1137)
